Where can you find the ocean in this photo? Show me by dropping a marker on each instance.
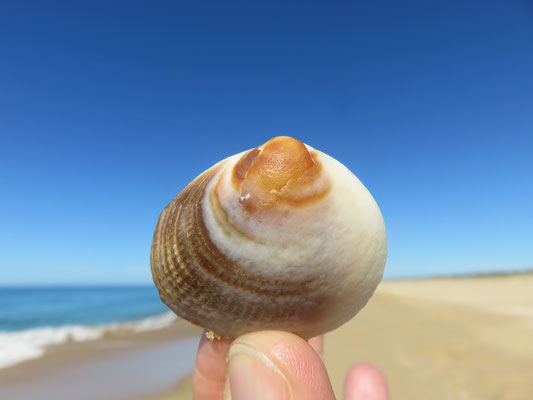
(32, 318)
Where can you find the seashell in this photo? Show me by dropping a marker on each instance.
(278, 237)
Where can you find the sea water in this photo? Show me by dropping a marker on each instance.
(32, 318)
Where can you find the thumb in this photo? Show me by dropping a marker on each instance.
(275, 365)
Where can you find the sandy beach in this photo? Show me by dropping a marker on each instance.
(123, 365)
(453, 338)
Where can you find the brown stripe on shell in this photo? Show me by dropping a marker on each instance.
(170, 272)
(222, 219)
(243, 166)
(199, 283)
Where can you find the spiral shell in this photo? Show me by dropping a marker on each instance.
(278, 237)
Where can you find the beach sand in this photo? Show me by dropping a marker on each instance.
(454, 338)
(123, 365)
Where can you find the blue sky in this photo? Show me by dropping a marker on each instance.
(108, 110)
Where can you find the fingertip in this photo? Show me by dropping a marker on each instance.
(317, 343)
(294, 361)
(253, 375)
(210, 368)
(365, 382)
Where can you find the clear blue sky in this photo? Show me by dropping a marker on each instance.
(108, 111)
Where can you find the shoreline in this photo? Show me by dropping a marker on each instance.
(118, 366)
(436, 338)
(32, 343)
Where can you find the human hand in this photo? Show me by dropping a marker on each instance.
(276, 365)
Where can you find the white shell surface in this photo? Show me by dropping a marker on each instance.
(338, 241)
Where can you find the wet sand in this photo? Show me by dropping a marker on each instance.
(459, 338)
(120, 366)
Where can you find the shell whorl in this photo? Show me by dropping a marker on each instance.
(237, 250)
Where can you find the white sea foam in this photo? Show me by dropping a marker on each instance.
(16, 347)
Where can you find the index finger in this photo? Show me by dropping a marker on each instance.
(209, 374)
